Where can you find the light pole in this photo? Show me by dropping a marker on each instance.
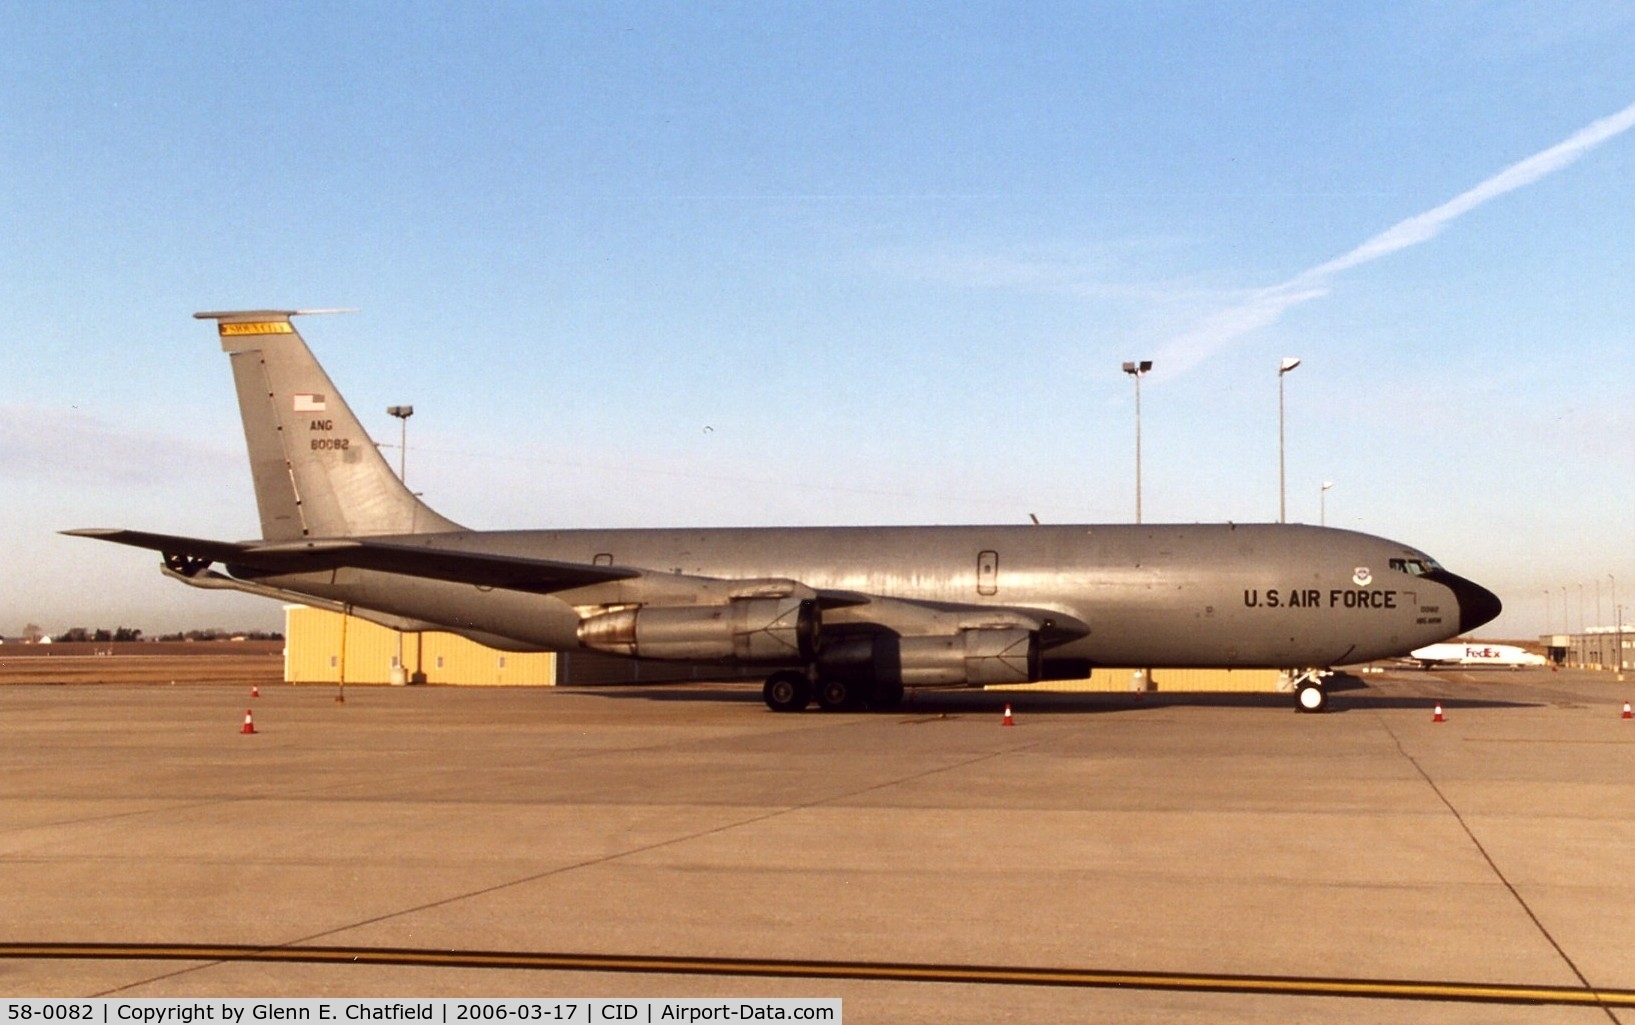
(1322, 503)
(402, 413)
(1288, 364)
(1135, 368)
(1618, 624)
(1548, 622)
(1618, 640)
(400, 673)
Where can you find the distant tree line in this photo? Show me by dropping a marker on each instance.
(33, 634)
(80, 633)
(216, 634)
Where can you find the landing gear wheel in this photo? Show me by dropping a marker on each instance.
(1311, 697)
(787, 691)
(836, 695)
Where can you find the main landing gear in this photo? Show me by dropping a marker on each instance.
(787, 691)
(1307, 684)
(790, 690)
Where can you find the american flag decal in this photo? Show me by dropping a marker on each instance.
(309, 403)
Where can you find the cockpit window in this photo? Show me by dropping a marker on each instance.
(1415, 567)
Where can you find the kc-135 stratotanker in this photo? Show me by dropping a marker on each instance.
(845, 616)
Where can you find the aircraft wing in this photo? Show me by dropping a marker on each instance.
(855, 609)
(848, 609)
(540, 576)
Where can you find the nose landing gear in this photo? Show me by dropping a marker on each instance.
(1307, 684)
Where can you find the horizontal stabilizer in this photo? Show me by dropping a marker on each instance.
(539, 576)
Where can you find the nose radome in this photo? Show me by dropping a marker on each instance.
(1477, 605)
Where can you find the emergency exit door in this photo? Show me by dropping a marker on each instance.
(987, 573)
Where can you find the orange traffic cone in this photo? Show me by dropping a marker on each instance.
(1009, 720)
(255, 692)
(249, 723)
(1438, 717)
(1627, 714)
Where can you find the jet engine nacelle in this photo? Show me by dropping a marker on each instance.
(974, 657)
(745, 629)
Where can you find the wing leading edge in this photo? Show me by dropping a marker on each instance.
(536, 576)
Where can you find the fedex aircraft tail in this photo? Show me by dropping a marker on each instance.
(317, 473)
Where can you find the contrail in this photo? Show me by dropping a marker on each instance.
(1266, 306)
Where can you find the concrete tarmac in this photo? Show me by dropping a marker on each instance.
(1250, 860)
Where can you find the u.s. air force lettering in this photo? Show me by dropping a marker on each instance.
(1313, 598)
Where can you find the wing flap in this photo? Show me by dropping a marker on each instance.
(909, 617)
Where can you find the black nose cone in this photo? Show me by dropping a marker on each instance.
(1477, 605)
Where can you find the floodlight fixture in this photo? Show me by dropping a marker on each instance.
(402, 413)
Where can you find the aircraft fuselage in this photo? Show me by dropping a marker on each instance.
(1251, 595)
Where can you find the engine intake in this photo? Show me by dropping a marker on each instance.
(744, 629)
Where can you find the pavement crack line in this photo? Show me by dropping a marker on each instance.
(602, 859)
(1493, 866)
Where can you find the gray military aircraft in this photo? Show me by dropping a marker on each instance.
(847, 616)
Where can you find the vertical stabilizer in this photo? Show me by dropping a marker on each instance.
(317, 473)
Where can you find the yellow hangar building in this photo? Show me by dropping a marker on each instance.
(321, 646)
(327, 647)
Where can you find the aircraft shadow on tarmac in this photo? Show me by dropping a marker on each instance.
(1349, 693)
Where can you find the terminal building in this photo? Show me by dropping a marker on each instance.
(1595, 647)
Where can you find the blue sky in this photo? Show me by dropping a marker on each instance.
(710, 264)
